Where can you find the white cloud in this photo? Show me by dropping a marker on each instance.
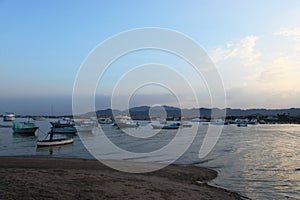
(288, 32)
(243, 49)
(261, 71)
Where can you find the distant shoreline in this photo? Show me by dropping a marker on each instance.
(272, 116)
(69, 178)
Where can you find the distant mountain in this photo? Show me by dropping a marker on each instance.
(144, 112)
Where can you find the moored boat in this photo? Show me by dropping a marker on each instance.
(125, 122)
(9, 117)
(64, 130)
(66, 122)
(24, 127)
(54, 142)
(65, 126)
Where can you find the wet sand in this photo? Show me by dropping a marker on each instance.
(64, 178)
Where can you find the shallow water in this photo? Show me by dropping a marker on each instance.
(259, 161)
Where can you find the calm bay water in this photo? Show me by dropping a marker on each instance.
(259, 161)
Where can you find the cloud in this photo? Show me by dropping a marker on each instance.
(289, 32)
(243, 50)
(261, 71)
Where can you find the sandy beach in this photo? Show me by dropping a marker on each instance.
(62, 178)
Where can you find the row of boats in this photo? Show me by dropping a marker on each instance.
(72, 126)
(64, 126)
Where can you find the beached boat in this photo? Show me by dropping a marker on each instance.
(54, 142)
(166, 126)
(24, 127)
(9, 117)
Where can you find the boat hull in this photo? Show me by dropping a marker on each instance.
(64, 130)
(25, 130)
(54, 142)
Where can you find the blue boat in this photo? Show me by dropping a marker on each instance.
(24, 128)
(65, 127)
(64, 130)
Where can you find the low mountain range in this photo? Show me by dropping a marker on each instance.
(144, 112)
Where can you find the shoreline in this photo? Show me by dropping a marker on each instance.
(34, 177)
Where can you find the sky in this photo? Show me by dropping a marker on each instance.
(255, 46)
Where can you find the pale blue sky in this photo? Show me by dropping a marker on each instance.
(43, 43)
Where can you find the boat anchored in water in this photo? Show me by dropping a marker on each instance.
(9, 116)
(24, 127)
(65, 126)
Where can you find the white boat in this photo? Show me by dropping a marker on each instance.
(104, 120)
(125, 122)
(85, 125)
(9, 117)
(54, 142)
(24, 127)
(199, 120)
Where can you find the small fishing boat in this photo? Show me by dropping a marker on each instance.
(9, 117)
(64, 130)
(24, 127)
(166, 126)
(65, 126)
(66, 122)
(54, 142)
